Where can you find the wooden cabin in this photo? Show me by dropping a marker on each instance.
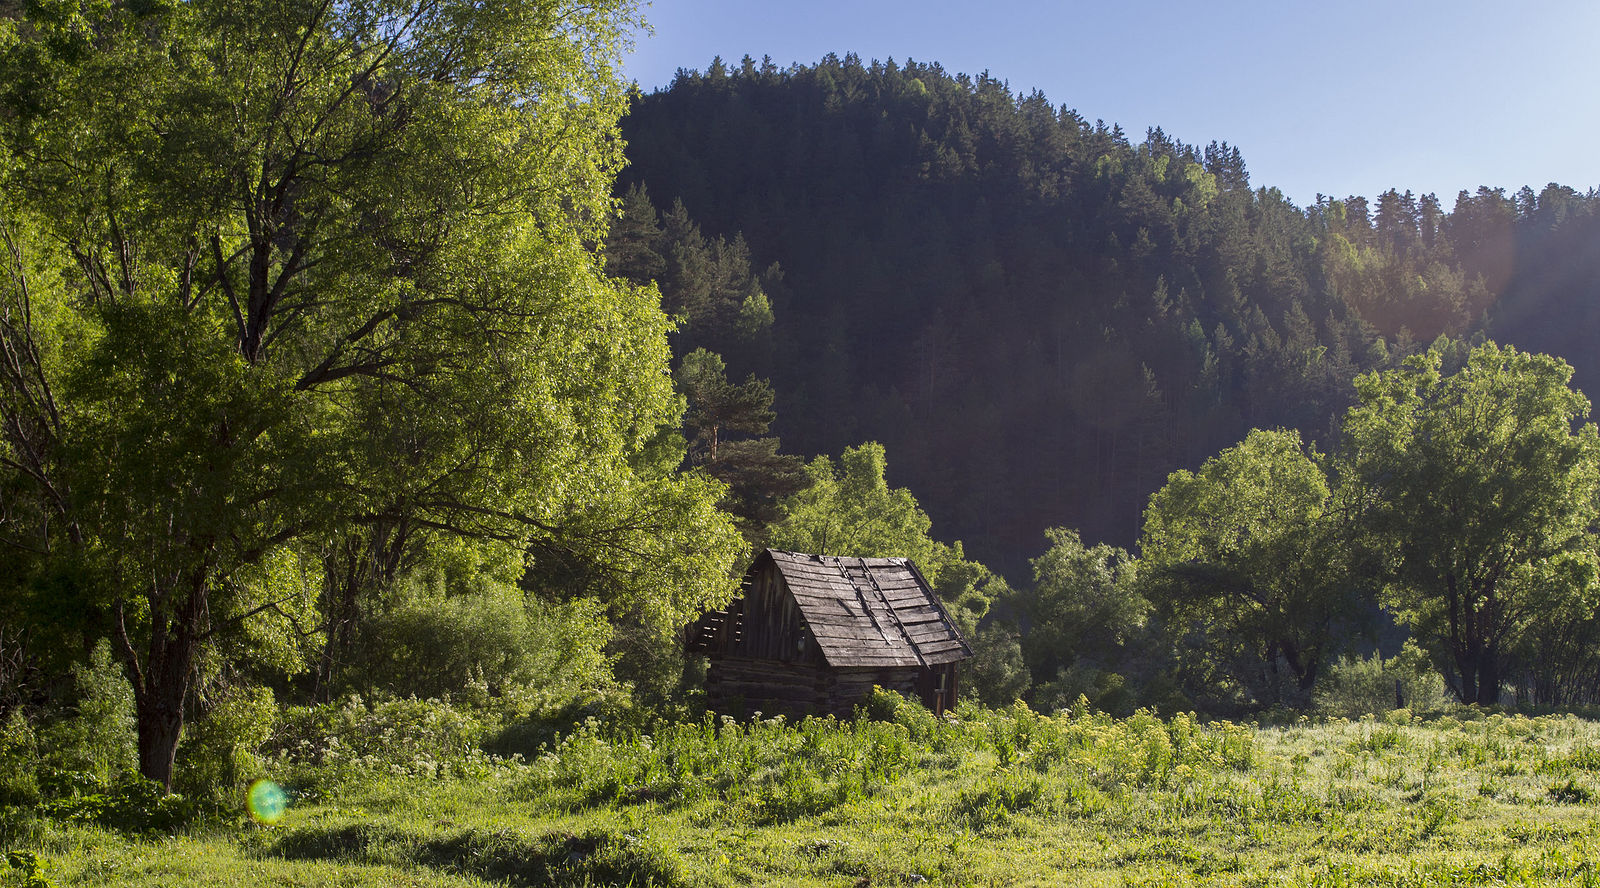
(812, 634)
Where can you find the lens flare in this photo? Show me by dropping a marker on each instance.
(267, 801)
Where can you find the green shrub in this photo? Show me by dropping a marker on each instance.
(1356, 686)
(881, 704)
(19, 762)
(998, 673)
(99, 737)
(25, 870)
(131, 803)
(406, 737)
(1106, 691)
(543, 718)
(470, 637)
(221, 751)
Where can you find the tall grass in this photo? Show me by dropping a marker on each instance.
(988, 797)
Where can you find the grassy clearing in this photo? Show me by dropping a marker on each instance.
(995, 798)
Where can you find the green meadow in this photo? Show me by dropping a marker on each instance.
(989, 797)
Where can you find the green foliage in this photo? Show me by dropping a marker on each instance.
(354, 739)
(28, 870)
(1483, 489)
(97, 737)
(1355, 686)
(882, 704)
(345, 282)
(131, 803)
(758, 477)
(1084, 616)
(474, 637)
(849, 509)
(707, 284)
(717, 406)
(19, 762)
(763, 772)
(1250, 566)
(997, 674)
(221, 752)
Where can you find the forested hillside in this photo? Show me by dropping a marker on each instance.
(1039, 317)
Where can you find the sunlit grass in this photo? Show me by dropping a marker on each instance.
(997, 798)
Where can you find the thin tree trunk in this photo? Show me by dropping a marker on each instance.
(1466, 668)
(360, 569)
(1488, 677)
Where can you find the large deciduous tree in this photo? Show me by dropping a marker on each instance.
(285, 276)
(1248, 562)
(1483, 486)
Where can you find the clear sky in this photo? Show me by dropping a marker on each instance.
(1334, 96)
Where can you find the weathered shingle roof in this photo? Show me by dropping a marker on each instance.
(870, 611)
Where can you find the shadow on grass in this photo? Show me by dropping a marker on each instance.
(596, 857)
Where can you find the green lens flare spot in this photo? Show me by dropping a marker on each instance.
(267, 801)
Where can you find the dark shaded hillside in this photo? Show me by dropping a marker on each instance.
(1038, 317)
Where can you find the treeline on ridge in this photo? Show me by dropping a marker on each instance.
(1041, 318)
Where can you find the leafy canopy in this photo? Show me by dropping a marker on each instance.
(1483, 486)
(1247, 561)
(278, 269)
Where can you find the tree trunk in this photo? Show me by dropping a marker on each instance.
(160, 727)
(161, 682)
(1466, 667)
(1488, 677)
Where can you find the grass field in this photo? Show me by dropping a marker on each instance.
(1002, 797)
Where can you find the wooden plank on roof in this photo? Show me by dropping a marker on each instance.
(939, 647)
(896, 581)
(834, 623)
(810, 582)
(865, 647)
(842, 624)
(811, 570)
(823, 601)
(859, 641)
(816, 599)
(884, 661)
(928, 631)
(817, 587)
(830, 610)
(820, 591)
(872, 658)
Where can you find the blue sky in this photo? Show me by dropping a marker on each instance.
(1342, 97)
